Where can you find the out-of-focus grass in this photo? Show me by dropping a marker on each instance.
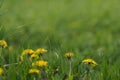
(89, 28)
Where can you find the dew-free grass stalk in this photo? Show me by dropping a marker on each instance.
(86, 75)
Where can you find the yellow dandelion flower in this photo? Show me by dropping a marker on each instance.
(3, 43)
(40, 51)
(1, 71)
(34, 56)
(40, 63)
(69, 55)
(34, 71)
(89, 62)
(27, 51)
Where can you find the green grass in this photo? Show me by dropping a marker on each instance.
(88, 28)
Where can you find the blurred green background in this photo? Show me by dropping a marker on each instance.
(61, 23)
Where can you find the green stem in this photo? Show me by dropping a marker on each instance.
(34, 78)
(70, 63)
(1, 55)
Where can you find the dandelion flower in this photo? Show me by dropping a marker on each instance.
(89, 62)
(40, 63)
(40, 51)
(3, 43)
(34, 56)
(1, 71)
(27, 51)
(69, 55)
(34, 71)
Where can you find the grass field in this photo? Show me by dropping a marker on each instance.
(83, 28)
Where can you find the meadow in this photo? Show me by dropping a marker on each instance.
(59, 40)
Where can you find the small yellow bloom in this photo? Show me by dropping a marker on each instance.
(40, 63)
(3, 43)
(40, 51)
(1, 71)
(69, 55)
(27, 51)
(34, 71)
(34, 56)
(89, 62)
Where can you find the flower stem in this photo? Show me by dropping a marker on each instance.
(34, 78)
(70, 68)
